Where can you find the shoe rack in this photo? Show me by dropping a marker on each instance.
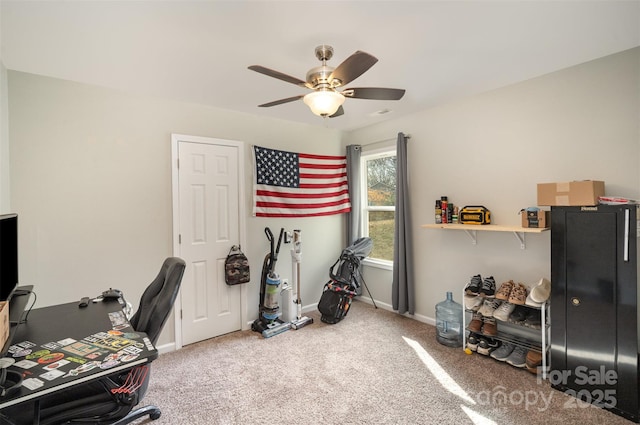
(518, 334)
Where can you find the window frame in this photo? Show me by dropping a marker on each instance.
(368, 155)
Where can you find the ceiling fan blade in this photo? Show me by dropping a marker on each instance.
(337, 113)
(353, 67)
(375, 93)
(278, 75)
(281, 101)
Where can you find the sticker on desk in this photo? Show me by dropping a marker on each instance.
(132, 350)
(32, 383)
(21, 353)
(131, 335)
(82, 368)
(77, 360)
(80, 349)
(118, 318)
(51, 345)
(50, 358)
(109, 364)
(110, 342)
(148, 343)
(36, 354)
(51, 375)
(56, 365)
(115, 332)
(129, 357)
(26, 364)
(66, 341)
(22, 345)
(121, 327)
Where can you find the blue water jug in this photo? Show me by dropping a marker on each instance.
(449, 322)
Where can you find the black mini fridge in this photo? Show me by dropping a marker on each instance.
(594, 306)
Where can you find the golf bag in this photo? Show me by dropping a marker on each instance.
(341, 288)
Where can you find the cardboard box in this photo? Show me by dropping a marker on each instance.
(539, 219)
(4, 322)
(576, 193)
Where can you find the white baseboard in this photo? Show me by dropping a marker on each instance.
(389, 307)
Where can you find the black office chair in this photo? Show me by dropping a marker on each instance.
(94, 403)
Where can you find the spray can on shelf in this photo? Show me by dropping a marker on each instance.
(449, 322)
(454, 216)
(444, 206)
(438, 212)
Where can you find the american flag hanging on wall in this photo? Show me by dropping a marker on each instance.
(289, 184)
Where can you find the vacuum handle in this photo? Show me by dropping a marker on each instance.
(274, 255)
(280, 240)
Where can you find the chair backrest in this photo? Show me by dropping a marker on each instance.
(158, 299)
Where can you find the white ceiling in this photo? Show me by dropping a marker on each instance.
(199, 51)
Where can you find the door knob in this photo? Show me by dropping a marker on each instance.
(575, 301)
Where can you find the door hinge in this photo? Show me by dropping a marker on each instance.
(178, 163)
(179, 239)
(180, 314)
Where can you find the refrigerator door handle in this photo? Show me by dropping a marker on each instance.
(626, 236)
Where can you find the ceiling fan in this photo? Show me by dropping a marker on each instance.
(326, 100)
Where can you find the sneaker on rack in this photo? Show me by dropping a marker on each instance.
(476, 323)
(505, 290)
(473, 287)
(487, 346)
(518, 358)
(533, 360)
(472, 302)
(518, 315)
(518, 294)
(489, 326)
(503, 352)
(533, 319)
(488, 288)
(472, 342)
(489, 306)
(503, 312)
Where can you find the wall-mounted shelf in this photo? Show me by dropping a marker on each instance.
(472, 229)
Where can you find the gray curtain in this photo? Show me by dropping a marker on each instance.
(402, 288)
(354, 219)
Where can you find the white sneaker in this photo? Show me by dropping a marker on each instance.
(472, 302)
(489, 307)
(503, 312)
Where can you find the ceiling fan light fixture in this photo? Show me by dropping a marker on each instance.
(324, 103)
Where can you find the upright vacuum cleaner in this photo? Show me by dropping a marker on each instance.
(296, 257)
(268, 321)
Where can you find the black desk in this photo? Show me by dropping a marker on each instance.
(78, 344)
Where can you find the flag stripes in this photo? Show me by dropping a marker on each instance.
(289, 184)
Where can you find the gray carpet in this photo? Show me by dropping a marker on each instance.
(374, 367)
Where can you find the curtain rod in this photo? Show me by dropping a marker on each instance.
(408, 136)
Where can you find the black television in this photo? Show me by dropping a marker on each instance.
(8, 255)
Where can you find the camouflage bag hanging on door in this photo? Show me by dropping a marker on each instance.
(236, 267)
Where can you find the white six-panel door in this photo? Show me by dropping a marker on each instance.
(209, 224)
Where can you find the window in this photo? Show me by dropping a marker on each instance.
(378, 206)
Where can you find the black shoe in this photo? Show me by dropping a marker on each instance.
(488, 288)
(518, 315)
(472, 342)
(487, 345)
(474, 285)
(533, 319)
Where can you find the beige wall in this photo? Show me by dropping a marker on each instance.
(91, 177)
(492, 149)
(91, 182)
